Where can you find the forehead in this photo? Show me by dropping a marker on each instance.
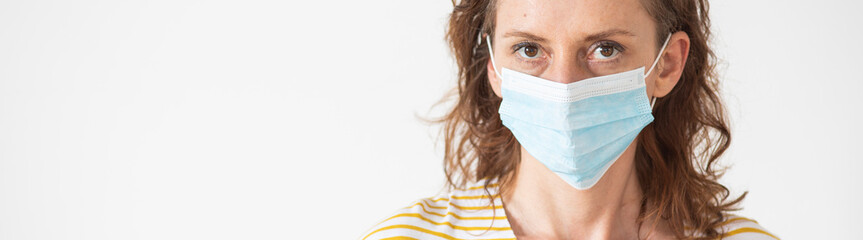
(573, 18)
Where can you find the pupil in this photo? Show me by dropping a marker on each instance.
(530, 51)
(606, 51)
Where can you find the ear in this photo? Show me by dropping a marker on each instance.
(671, 66)
(493, 78)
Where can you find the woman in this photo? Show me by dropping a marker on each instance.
(581, 119)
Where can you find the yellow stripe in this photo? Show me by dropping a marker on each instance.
(480, 187)
(726, 222)
(498, 206)
(465, 197)
(746, 230)
(399, 238)
(735, 219)
(417, 215)
(496, 196)
(455, 215)
(415, 228)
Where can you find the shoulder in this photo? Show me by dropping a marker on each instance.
(460, 214)
(739, 228)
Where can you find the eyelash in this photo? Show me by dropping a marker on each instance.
(519, 46)
(615, 45)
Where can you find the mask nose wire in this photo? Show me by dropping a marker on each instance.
(655, 61)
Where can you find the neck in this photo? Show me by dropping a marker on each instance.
(540, 205)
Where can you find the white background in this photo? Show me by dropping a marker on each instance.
(191, 119)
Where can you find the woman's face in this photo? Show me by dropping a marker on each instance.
(570, 40)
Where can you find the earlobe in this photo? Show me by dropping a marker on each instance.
(672, 64)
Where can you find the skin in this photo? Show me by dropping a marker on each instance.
(540, 205)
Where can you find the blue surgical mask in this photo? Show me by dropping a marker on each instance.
(577, 130)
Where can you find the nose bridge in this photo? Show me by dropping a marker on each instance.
(566, 69)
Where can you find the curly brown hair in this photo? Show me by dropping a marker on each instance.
(676, 155)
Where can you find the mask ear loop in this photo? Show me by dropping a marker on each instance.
(491, 55)
(661, 50)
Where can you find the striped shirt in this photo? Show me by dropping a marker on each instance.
(467, 214)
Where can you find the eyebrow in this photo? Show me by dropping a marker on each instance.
(589, 38)
(607, 33)
(526, 35)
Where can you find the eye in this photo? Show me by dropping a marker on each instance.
(528, 51)
(606, 50)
